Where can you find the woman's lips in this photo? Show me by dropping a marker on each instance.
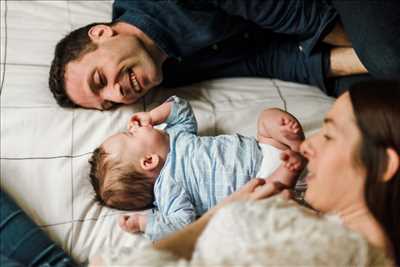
(310, 176)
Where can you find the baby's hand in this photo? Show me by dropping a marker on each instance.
(140, 119)
(133, 223)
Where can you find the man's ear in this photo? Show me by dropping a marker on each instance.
(392, 164)
(100, 32)
(149, 162)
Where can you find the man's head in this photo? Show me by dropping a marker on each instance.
(103, 64)
(124, 168)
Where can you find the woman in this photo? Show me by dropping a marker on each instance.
(353, 180)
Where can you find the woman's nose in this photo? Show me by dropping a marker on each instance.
(306, 148)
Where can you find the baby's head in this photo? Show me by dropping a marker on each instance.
(125, 166)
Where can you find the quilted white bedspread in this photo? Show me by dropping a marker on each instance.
(45, 148)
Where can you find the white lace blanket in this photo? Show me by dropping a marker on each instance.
(273, 232)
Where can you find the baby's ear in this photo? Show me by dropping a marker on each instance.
(149, 162)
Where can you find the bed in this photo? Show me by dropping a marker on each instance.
(45, 148)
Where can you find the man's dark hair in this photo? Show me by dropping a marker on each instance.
(125, 189)
(72, 47)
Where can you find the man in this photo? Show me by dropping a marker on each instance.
(373, 28)
(172, 43)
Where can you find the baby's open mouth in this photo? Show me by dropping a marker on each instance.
(134, 83)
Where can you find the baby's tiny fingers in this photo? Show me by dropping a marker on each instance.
(267, 190)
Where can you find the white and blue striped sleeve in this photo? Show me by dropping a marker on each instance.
(171, 217)
(181, 117)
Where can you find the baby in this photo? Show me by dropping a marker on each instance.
(182, 175)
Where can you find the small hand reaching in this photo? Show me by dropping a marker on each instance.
(140, 119)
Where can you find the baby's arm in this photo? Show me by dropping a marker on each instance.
(176, 112)
(153, 117)
(279, 129)
(175, 212)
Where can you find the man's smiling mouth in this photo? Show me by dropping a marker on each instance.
(133, 81)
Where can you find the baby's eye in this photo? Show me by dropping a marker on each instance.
(128, 133)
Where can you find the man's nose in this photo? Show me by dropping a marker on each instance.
(113, 93)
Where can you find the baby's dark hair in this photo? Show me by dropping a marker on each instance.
(118, 185)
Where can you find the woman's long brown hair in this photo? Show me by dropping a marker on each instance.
(376, 107)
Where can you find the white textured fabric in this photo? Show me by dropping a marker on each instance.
(45, 148)
(271, 160)
(272, 232)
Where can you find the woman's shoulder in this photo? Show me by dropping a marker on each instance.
(276, 231)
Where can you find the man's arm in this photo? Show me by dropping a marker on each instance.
(337, 36)
(344, 61)
(302, 17)
(308, 19)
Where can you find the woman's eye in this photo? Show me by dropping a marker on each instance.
(327, 137)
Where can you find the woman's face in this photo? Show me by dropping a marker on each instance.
(336, 178)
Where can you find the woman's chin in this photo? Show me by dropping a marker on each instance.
(309, 198)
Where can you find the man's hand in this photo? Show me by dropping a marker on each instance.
(140, 119)
(345, 61)
(337, 36)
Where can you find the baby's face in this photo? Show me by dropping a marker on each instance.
(137, 142)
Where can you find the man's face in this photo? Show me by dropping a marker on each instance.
(120, 70)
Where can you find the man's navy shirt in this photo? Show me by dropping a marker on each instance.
(211, 39)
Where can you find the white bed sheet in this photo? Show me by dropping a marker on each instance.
(45, 149)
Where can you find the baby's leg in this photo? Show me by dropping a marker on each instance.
(290, 169)
(279, 129)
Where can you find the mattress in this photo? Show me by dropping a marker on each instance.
(45, 148)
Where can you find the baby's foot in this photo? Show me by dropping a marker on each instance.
(294, 163)
(293, 160)
(292, 132)
(129, 223)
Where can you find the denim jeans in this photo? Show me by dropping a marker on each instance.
(374, 31)
(23, 243)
